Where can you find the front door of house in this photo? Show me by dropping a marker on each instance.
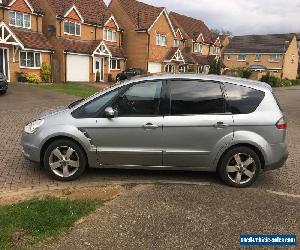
(99, 65)
(4, 61)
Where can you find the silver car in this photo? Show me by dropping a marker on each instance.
(180, 122)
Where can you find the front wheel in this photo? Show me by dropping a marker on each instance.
(3, 92)
(239, 167)
(64, 160)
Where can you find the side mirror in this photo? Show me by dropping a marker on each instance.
(109, 112)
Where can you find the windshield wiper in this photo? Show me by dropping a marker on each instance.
(73, 104)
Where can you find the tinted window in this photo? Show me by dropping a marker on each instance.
(243, 100)
(93, 108)
(142, 99)
(195, 97)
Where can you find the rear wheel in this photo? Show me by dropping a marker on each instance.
(64, 160)
(239, 167)
(3, 92)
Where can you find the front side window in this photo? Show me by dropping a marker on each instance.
(71, 28)
(110, 35)
(115, 64)
(195, 97)
(197, 47)
(19, 19)
(241, 57)
(142, 99)
(275, 57)
(29, 59)
(243, 100)
(161, 40)
(176, 43)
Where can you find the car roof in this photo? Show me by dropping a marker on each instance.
(219, 78)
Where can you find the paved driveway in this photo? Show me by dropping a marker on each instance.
(23, 103)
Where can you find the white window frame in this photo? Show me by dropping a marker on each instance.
(275, 57)
(161, 40)
(117, 61)
(198, 47)
(113, 35)
(76, 24)
(257, 57)
(23, 20)
(177, 43)
(34, 59)
(216, 50)
(241, 60)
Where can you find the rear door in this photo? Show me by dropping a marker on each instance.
(196, 124)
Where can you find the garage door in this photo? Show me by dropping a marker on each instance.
(154, 67)
(78, 68)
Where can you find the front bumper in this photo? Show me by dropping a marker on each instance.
(3, 86)
(30, 151)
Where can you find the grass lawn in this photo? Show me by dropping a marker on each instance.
(26, 223)
(71, 89)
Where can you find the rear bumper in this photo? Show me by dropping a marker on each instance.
(279, 157)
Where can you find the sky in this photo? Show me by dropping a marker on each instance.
(241, 17)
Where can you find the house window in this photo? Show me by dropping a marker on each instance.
(161, 40)
(275, 57)
(19, 19)
(115, 64)
(197, 47)
(71, 28)
(169, 68)
(241, 57)
(110, 35)
(216, 50)
(29, 59)
(176, 43)
(257, 57)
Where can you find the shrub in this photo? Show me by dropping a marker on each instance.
(286, 83)
(215, 67)
(33, 78)
(21, 76)
(243, 73)
(272, 80)
(46, 72)
(296, 82)
(98, 76)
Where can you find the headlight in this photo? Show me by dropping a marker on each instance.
(33, 126)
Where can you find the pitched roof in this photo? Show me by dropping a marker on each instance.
(142, 15)
(33, 40)
(34, 4)
(92, 11)
(275, 43)
(192, 27)
(88, 47)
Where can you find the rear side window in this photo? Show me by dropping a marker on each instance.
(195, 97)
(243, 100)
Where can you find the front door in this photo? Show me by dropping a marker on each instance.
(4, 62)
(134, 136)
(196, 123)
(99, 66)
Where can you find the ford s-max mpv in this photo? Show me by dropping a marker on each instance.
(175, 122)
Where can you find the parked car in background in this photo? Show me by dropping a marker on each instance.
(168, 122)
(3, 84)
(128, 73)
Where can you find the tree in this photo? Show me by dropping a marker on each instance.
(215, 67)
(220, 32)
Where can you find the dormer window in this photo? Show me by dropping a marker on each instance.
(20, 20)
(216, 50)
(198, 47)
(72, 28)
(176, 43)
(110, 35)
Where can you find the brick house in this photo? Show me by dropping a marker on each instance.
(276, 53)
(23, 47)
(87, 40)
(200, 46)
(149, 37)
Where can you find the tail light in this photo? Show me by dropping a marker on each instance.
(281, 124)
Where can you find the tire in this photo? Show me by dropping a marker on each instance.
(3, 92)
(239, 167)
(68, 163)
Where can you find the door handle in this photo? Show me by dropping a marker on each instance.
(150, 126)
(221, 125)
